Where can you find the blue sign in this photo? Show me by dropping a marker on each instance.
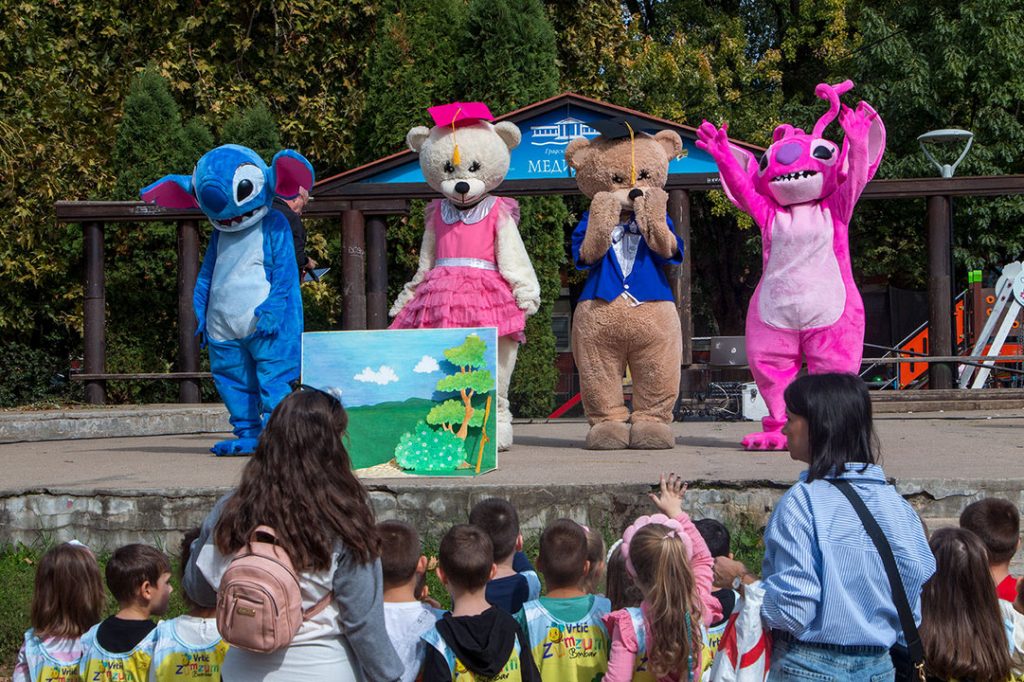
(541, 154)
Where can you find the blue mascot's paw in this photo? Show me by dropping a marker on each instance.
(234, 447)
(266, 326)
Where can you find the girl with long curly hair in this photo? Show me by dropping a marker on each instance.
(664, 639)
(300, 483)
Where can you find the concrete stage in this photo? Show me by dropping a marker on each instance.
(107, 491)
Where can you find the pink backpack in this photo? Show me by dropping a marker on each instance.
(259, 604)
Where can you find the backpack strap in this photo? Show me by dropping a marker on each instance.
(318, 607)
(899, 594)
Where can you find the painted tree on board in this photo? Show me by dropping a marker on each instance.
(472, 379)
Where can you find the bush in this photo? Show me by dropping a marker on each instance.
(31, 375)
(426, 449)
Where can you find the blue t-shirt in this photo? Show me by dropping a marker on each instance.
(510, 593)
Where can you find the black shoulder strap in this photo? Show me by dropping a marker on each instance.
(899, 594)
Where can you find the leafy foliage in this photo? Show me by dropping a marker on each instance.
(428, 449)
(253, 127)
(452, 412)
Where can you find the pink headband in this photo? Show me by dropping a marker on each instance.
(675, 530)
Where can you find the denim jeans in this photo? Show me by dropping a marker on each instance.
(794, 661)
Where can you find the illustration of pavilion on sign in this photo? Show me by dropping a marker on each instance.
(560, 132)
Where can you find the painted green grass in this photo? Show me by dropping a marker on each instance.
(374, 430)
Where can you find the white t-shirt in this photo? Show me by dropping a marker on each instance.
(406, 622)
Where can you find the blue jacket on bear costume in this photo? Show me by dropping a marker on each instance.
(247, 301)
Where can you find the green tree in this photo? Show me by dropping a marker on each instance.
(410, 68)
(471, 379)
(509, 56)
(253, 127)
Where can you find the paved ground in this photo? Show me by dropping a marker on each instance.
(970, 446)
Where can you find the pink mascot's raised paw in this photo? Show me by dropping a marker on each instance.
(801, 193)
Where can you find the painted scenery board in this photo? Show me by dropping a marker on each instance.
(421, 400)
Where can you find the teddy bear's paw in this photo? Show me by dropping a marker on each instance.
(765, 440)
(608, 436)
(504, 436)
(235, 447)
(651, 436)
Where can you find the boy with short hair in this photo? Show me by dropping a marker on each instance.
(515, 582)
(121, 647)
(716, 537)
(567, 636)
(997, 523)
(475, 639)
(406, 618)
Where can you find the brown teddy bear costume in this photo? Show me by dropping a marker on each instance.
(626, 315)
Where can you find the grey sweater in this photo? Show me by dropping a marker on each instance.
(358, 594)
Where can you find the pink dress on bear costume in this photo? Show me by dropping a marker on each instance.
(464, 288)
(801, 195)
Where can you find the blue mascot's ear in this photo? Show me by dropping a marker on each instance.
(171, 191)
(291, 171)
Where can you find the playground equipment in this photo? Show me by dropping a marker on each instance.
(1009, 301)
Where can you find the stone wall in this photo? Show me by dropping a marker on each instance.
(107, 519)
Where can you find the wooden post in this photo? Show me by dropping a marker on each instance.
(94, 313)
(376, 273)
(679, 211)
(353, 263)
(188, 344)
(940, 302)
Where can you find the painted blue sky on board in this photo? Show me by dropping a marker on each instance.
(384, 365)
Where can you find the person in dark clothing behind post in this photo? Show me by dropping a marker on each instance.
(474, 636)
(292, 210)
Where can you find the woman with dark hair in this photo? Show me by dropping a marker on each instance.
(826, 594)
(968, 633)
(300, 483)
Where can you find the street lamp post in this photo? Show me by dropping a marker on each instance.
(941, 269)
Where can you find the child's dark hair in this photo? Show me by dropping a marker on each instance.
(400, 552)
(466, 556)
(620, 587)
(715, 535)
(961, 624)
(563, 554)
(499, 519)
(837, 408)
(68, 598)
(596, 556)
(131, 566)
(184, 554)
(997, 523)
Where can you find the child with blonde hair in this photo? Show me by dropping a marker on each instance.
(68, 600)
(664, 639)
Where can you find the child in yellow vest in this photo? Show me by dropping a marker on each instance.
(68, 600)
(474, 641)
(188, 647)
(567, 637)
(120, 649)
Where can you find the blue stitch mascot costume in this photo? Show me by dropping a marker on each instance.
(247, 299)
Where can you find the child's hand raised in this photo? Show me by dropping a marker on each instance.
(669, 499)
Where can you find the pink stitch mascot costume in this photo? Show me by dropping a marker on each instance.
(802, 195)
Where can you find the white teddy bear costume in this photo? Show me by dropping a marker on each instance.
(474, 270)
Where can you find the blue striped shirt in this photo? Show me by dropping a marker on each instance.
(823, 579)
